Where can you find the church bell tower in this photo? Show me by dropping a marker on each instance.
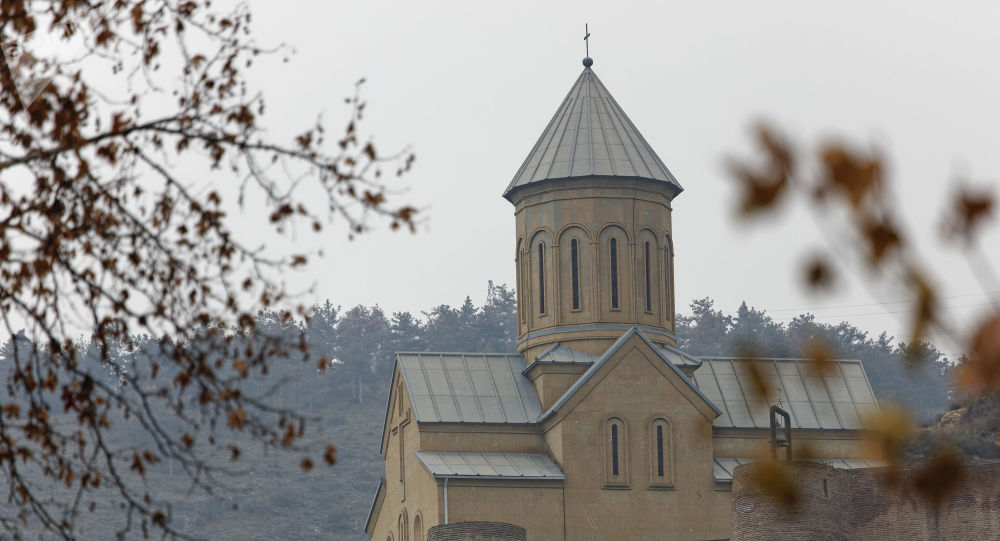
(592, 206)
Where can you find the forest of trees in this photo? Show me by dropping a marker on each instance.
(334, 367)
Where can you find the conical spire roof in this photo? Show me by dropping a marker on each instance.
(590, 135)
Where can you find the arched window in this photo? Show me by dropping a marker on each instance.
(614, 273)
(616, 453)
(668, 278)
(575, 264)
(649, 296)
(615, 469)
(520, 279)
(403, 533)
(660, 454)
(418, 528)
(541, 278)
(659, 451)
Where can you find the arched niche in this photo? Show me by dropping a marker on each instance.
(615, 444)
(660, 452)
(669, 302)
(520, 276)
(614, 272)
(575, 269)
(541, 279)
(648, 258)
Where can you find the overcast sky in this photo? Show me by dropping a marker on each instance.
(471, 86)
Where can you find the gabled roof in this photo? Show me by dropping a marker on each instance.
(590, 135)
(836, 399)
(469, 388)
(558, 354)
(634, 331)
(492, 387)
(678, 357)
(473, 465)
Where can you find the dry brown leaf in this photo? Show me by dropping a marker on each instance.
(775, 482)
(883, 238)
(982, 369)
(887, 432)
(819, 353)
(969, 211)
(818, 274)
(853, 176)
(940, 476)
(330, 456)
(237, 418)
(923, 312)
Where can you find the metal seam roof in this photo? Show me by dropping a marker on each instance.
(835, 400)
(572, 146)
(468, 388)
(492, 388)
(723, 467)
(492, 465)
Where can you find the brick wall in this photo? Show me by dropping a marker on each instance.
(838, 505)
(476, 531)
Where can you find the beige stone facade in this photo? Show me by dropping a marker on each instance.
(599, 428)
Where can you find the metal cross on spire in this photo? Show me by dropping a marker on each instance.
(586, 38)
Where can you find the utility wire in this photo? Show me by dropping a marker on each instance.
(982, 294)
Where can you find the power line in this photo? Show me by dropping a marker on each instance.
(983, 294)
(880, 313)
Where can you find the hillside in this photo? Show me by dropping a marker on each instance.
(971, 426)
(271, 498)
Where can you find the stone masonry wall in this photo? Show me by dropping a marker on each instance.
(476, 531)
(837, 505)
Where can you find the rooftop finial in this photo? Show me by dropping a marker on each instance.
(587, 61)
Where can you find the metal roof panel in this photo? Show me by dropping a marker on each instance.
(590, 135)
(794, 382)
(722, 467)
(469, 387)
(476, 465)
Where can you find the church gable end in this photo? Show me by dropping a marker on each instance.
(637, 350)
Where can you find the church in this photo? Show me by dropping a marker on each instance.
(598, 427)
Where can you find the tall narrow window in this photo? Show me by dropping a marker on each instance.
(614, 273)
(404, 529)
(659, 450)
(541, 278)
(614, 450)
(649, 298)
(660, 469)
(575, 264)
(616, 453)
(668, 272)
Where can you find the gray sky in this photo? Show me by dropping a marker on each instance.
(471, 86)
